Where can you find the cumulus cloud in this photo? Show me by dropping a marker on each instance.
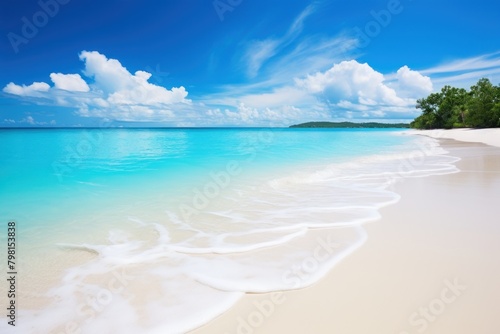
(346, 90)
(124, 88)
(114, 93)
(353, 82)
(69, 82)
(34, 90)
(412, 83)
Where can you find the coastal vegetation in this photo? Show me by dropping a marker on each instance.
(453, 107)
(349, 125)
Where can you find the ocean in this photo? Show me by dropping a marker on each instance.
(161, 230)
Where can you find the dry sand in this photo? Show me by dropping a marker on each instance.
(485, 136)
(430, 265)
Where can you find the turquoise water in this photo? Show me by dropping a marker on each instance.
(45, 169)
(195, 218)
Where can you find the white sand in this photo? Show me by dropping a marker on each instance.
(486, 136)
(430, 265)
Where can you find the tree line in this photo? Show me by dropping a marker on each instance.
(453, 107)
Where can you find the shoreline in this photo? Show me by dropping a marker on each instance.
(486, 136)
(427, 266)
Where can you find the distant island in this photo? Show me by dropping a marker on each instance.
(350, 125)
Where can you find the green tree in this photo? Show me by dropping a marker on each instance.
(430, 107)
(452, 111)
(484, 109)
(457, 107)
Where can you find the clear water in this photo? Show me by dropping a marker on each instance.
(161, 230)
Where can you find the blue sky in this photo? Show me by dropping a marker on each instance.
(236, 62)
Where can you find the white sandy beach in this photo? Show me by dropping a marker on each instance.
(485, 136)
(430, 265)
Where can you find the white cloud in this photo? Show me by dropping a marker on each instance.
(257, 53)
(466, 72)
(347, 90)
(28, 120)
(487, 61)
(69, 82)
(298, 24)
(124, 88)
(352, 106)
(31, 121)
(115, 93)
(412, 83)
(354, 82)
(109, 74)
(260, 51)
(33, 90)
(251, 116)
